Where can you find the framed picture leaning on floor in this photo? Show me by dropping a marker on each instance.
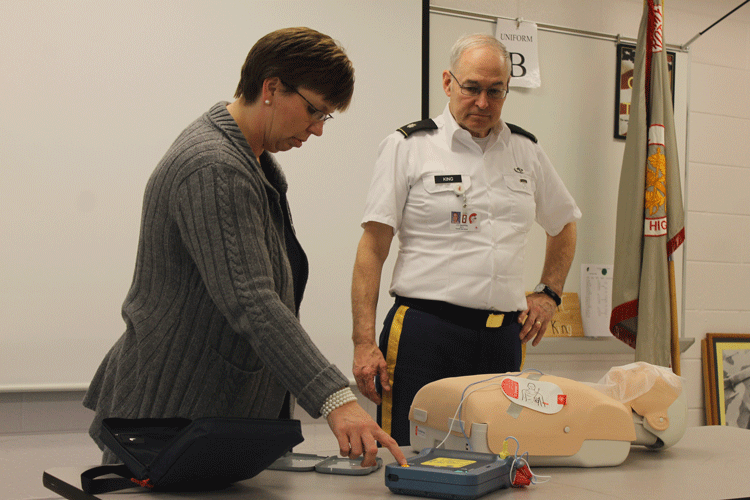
(726, 379)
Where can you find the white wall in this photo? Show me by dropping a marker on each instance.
(94, 93)
(718, 204)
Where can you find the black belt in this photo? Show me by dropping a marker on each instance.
(474, 319)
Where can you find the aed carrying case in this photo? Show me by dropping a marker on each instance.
(179, 454)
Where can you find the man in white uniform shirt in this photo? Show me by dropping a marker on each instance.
(462, 191)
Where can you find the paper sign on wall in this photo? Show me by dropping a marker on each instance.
(596, 299)
(520, 38)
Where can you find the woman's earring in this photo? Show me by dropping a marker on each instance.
(268, 102)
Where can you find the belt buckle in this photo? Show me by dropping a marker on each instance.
(495, 320)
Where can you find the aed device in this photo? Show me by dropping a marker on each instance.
(558, 421)
(449, 474)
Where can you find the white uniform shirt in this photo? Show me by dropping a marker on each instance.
(418, 188)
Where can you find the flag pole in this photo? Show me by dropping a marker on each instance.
(687, 44)
(675, 331)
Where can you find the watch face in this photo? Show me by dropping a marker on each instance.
(539, 288)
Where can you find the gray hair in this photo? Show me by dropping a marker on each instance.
(467, 42)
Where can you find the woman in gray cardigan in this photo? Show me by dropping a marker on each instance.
(211, 316)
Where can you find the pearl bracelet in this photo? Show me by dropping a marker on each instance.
(338, 398)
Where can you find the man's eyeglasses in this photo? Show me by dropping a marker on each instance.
(475, 91)
(315, 113)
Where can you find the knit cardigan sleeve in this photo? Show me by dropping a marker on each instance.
(233, 231)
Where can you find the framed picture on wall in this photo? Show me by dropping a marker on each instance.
(726, 379)
(624, 85)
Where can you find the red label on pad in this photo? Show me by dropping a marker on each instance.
(510, 387)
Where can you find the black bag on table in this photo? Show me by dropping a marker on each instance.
(179, 454)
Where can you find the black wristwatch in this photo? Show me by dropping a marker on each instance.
(542, 288)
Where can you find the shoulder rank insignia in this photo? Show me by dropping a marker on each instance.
(409, 129)
(515, 129)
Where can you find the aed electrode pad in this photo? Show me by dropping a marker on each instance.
(347, 466)
(300, 462)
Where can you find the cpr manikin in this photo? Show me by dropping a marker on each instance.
(558, 421)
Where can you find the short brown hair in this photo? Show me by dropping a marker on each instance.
(301, 57)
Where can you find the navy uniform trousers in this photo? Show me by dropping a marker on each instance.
(424, 340)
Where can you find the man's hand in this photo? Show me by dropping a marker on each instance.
(368, 364)
(358, 434)
(535, 319)
(368, 361)
(540, 307)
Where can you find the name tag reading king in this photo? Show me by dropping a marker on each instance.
(447, 179)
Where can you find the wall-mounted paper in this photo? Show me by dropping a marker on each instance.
(596, 299)
(521, 41)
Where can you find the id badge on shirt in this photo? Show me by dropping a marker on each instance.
(466, 220)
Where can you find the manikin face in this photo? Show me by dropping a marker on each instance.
(478, 67)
